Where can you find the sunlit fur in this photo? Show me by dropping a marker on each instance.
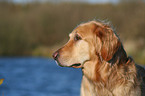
(70, 53)
(107, 70)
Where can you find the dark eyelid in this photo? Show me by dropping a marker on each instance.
(77, 37)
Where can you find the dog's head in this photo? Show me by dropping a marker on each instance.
(88, 41)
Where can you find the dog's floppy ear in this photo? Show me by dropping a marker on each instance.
(110, 42)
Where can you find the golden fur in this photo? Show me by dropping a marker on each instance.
(107, 70)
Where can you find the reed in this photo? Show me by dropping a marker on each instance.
(30, 29)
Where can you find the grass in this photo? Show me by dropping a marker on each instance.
(37, 29)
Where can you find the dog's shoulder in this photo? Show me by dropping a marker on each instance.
(140, 72)
(141, 75)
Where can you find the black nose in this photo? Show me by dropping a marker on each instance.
(55, 55)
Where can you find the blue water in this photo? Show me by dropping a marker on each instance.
(28, 76)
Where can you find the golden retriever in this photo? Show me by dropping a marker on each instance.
(107, 70)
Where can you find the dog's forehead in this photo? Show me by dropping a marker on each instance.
(87, 28)
(91, 23)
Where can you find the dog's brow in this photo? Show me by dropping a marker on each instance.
(70, 35)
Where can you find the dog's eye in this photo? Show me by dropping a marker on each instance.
(77, 37)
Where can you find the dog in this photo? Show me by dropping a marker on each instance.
(107, 70)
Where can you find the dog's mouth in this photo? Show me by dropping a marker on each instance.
(58, 63)
(76, 65)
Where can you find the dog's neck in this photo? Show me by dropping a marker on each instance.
(99, 71)
(120, 57)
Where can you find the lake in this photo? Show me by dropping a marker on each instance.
(37, 76)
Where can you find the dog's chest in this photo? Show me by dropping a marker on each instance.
(89, 88)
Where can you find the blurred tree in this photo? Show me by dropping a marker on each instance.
(125, 1)
(39, 27)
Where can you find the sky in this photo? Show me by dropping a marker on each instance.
(89, 1)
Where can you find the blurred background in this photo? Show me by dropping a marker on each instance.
(31, 30)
